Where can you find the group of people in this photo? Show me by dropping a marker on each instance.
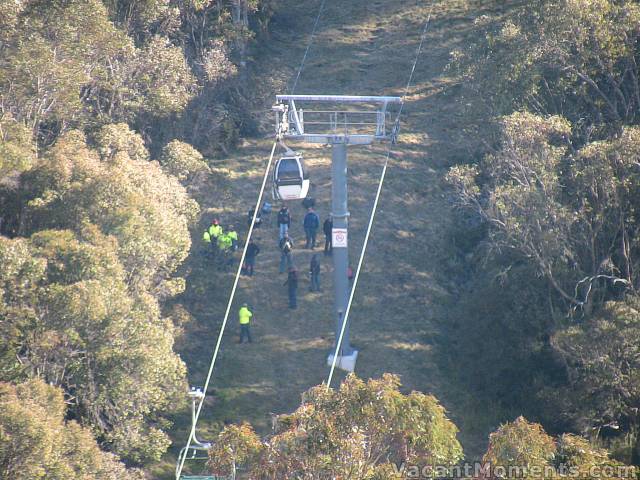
(311, 225)
(220, 243)
(286, 260)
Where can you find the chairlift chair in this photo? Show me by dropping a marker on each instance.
(290, 177)
(198, 451)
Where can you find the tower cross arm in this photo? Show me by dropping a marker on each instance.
(339, 99)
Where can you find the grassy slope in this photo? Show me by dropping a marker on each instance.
(362, 47)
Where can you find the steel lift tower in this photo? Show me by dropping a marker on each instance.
(339, 121)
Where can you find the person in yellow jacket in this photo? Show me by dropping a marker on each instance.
(206, 242)
(213, 233)
(244, 316)
(224, 242)
(215, 230)
(233, 236)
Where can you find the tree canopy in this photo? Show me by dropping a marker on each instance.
(96, 104)
(356, 431)
(67, 316)
(547, 214)
(37, 443)
(521, 449)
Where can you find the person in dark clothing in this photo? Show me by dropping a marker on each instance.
(250, 218)
(311, 224)
(292, 287)
(284, 221)
(326, 228)
(250, 258)
(286, 256)
(314, 274)
(309, 202)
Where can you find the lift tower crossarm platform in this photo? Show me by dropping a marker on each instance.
(339, 124)
(338, 98)
(362, 126)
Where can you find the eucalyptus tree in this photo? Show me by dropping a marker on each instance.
(36, 442)
(361, 430)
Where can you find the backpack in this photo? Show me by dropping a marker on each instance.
(285, 245)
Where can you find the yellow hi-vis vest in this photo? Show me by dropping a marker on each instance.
(224, 242)
(244, 315)
(215, 231)
(206, 238)
(233, 235)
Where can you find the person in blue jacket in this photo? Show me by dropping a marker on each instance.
(311, 224)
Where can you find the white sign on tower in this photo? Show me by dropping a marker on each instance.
(339, 238)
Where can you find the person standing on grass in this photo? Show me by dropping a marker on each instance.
(292, 287)
(206, 242)
(284, 221)
(266, 210)
(250, 258)
(244, 317)
(314, 274)
(286, 255)
(258, 223)
(311, 224)
(233, 236)
(215, 231)
(224, 243)
(326, 228)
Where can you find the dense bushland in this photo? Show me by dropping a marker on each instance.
(95, 100)
(547, 319)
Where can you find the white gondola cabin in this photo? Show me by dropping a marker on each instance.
(290, 178)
